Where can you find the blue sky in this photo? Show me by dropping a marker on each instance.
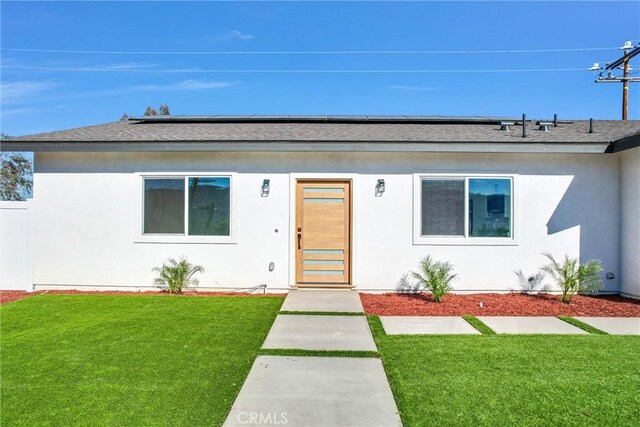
(37, 100)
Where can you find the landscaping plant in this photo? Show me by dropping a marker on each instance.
(532, 283)
(174, 276)
(406, 286)
(573, 277)
(435, 277)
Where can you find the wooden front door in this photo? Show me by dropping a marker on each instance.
(323, 233)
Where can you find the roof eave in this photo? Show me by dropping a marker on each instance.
(308, 146)
(625, 143)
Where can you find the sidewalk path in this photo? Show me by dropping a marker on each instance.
(317, 391)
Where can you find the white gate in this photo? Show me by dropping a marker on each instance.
(15, 246)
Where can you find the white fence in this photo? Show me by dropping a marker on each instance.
(15, 246)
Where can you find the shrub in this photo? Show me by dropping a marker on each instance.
(174, 276)
(405, 285)
(573, 277)
(435, 277)
(532, 283)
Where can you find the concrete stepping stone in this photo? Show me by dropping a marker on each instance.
(320, 332)
(614, 325)
(323, 300)
(315, 391)
(529, 325)
(429, 325)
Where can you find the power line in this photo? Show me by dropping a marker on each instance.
(292, 71)
(301, 52)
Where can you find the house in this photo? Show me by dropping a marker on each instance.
(340, 201)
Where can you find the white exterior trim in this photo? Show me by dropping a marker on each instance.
(140, 237)
(419, 239)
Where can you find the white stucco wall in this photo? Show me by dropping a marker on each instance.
(630, 222)
(86, 213)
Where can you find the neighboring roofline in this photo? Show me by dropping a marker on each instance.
(310, 146)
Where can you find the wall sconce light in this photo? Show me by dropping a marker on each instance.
(380, 187)
(265, 188)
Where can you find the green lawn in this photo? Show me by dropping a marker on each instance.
(513, 380)
(127, 360)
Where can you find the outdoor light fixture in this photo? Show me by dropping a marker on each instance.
(265, 187)
(380, 187)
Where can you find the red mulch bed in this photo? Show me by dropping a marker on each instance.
(8, 296)
(393, 304)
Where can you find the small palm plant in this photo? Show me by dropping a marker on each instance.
(435, 277)
(573, 277)
(531, 284)
(174, 276)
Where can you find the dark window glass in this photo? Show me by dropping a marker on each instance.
(163, 206)
(443, 207)
(209, 206)
(490, 207)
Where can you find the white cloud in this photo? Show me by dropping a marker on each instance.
(414, 88)
(123, 66)
(22, 91)
(185, 85)
(240, 35)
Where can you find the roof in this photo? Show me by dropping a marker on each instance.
(332, 133)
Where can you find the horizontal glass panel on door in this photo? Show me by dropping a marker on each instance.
(209, 206)
(163, 206)
(489, 207)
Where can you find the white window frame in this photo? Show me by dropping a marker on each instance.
(141, 237)
(466, 240)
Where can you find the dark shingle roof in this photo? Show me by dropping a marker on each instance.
(299, 129)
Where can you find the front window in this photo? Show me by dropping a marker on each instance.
(489, 207)
(209, 206)
(466, 207)
(207, 200)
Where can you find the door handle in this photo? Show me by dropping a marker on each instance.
(299, 239)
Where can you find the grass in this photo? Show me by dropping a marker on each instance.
(319, 353)
(322, 313)
(479, 325)
(127, 360)
(513, 379)
(579, 324)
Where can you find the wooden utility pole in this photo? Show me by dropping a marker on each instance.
(625, 86)
(630, 51)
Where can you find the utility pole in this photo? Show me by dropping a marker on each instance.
(625, 86)
(629, 52)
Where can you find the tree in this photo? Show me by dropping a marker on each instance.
(16, 178)
(150, 111)
(163, 110)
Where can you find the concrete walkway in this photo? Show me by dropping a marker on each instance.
(317, 391)
(345, 301)
(427, 325)
(614, 325)
(530, 325)
(304, 332)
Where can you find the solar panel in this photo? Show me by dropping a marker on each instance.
(343, 118)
